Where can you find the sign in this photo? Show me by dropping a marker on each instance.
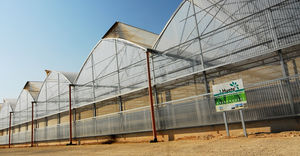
(229, 96)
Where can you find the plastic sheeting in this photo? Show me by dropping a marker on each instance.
(212, 34)
(54, 93)
(22, 112)
(115, 66)
(8, 106)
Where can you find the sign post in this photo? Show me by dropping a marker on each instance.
(230, 96)
(243, 122)
(226, 124)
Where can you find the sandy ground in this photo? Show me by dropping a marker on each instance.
(286, 143)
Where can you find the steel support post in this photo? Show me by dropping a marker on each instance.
(46, 121)
(295, 67)
(154, 81)
(296, 71)
(70, 114)
(201, 54)
(58, 124)
(151, 99)
(283, 64)
(156, 95)
(93, 77)
(197, 107)
(58, 91)
(120, 103)
(272, 27)
(226, 123)
(74, 120)
(74, 115)
(32, 123)
(285, 74)
(58, 118)
(207, 89)
(243, 122)
(94, 90)
(94, 109)
(9, 130)
(119, 80)
(46, 94)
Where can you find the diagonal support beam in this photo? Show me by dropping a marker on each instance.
(174, 56)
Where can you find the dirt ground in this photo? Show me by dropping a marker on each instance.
(285, 143)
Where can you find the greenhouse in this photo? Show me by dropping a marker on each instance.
(205, 42)
(53, 96)
(8, 106)
(22, 112)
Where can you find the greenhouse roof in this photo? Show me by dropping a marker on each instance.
(136, 35)
(71, 76)
(11, 102)
(33, 87)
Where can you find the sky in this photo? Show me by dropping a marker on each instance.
(36, 35)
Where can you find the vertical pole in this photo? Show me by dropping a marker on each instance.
(58, 118)
(154, 81)
(74, 120)
(93, 77)
(70, 113)
(94, 92)
(121, 107)
(226, 124)
(46, 92)
(295, 70)
(272, 27)
(285, 74)
(198, 33)
(207, 89)
(27, 107)
(9, 129)
(156, 96)
(243, 122)
(151, 99)
(119, 80)
(32, 104)
(94, 110)
(94, 89)
(197, 102)
(74, 115)
(295, 67)
(283, 64)
(58, 91)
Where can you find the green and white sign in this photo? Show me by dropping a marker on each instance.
(230, 95)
